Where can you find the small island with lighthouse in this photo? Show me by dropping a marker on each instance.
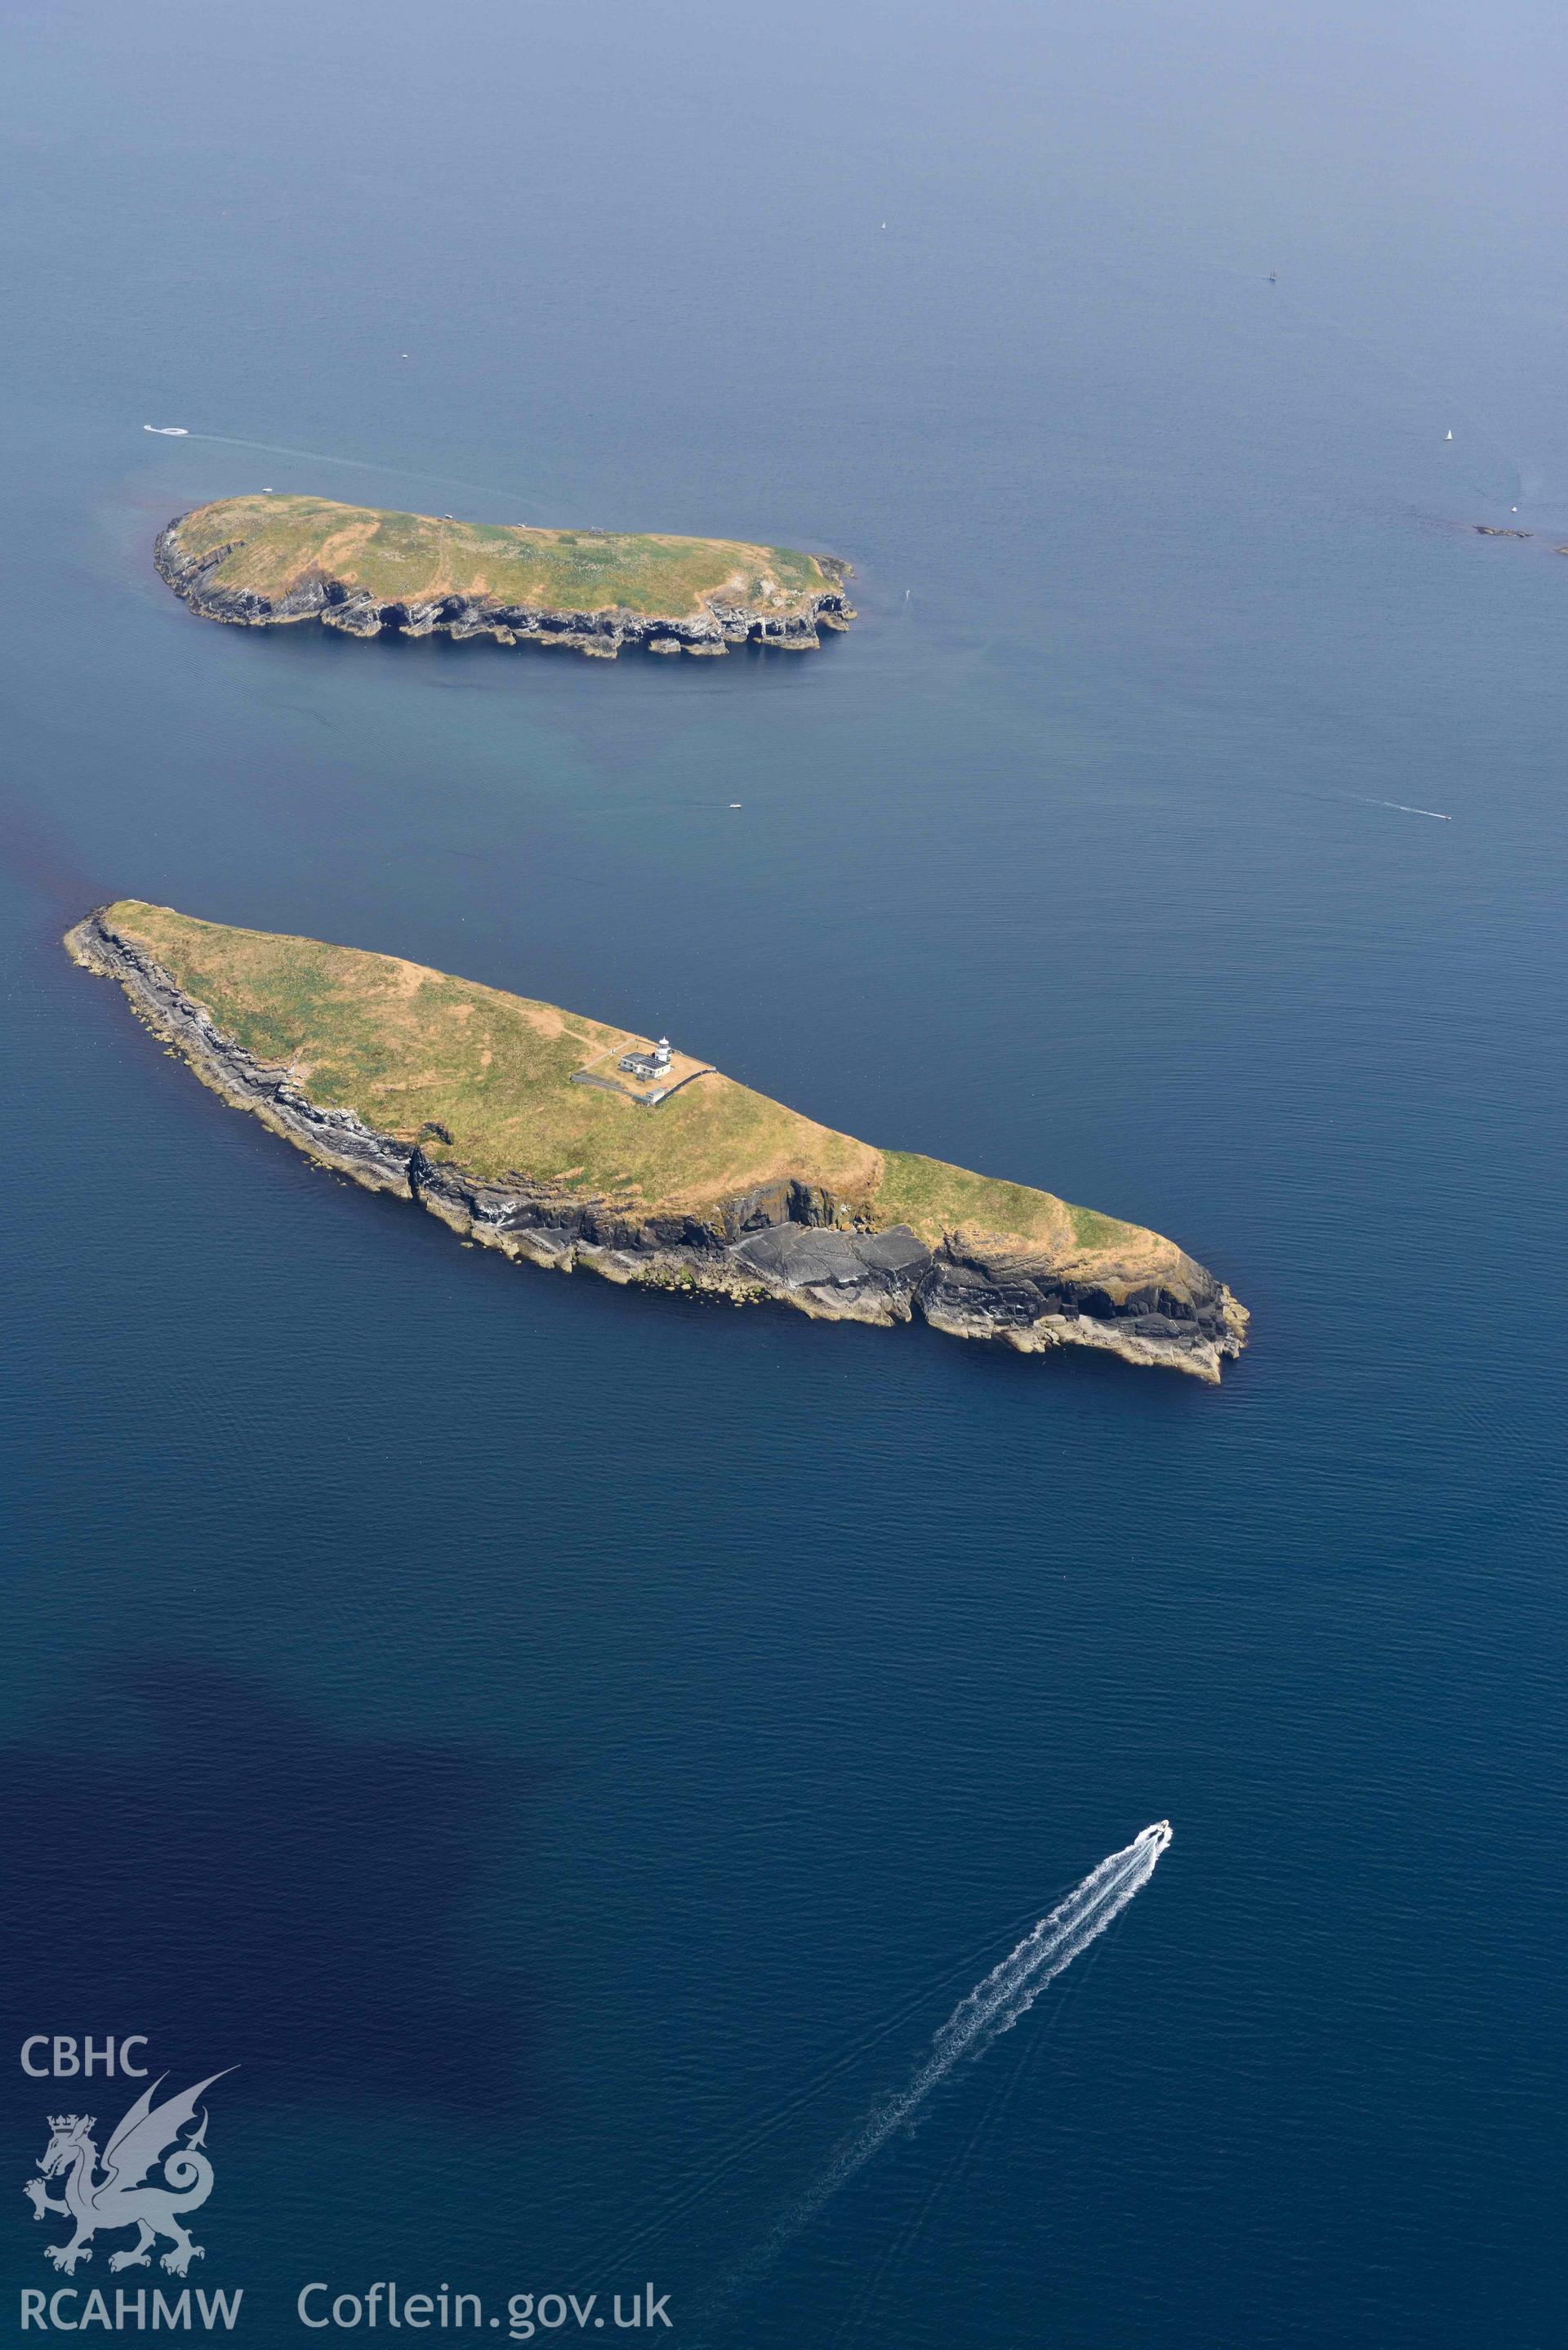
(570, 1143)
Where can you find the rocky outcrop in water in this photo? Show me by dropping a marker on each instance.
(339, 604)
(790, 1242)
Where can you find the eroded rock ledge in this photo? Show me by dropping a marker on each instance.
(788, 1242)
(356, 613)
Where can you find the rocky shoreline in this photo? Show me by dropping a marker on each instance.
(354, 612)
(792, 1243)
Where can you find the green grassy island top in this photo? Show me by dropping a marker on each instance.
(277, 544)
(408, 1049)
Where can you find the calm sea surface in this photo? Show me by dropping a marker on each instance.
(569, 1749)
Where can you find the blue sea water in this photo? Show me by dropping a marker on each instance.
(571, 1749)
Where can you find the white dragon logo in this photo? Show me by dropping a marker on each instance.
(149, 2134)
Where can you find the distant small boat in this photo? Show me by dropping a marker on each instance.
(1448, 436)
(1273, 276)
(170, 432)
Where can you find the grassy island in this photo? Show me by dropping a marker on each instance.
(509, 1118)
(267, 559)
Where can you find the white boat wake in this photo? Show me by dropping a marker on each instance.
(1403, 807)
(355, 464)
(170, 432)
(996, 2003)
